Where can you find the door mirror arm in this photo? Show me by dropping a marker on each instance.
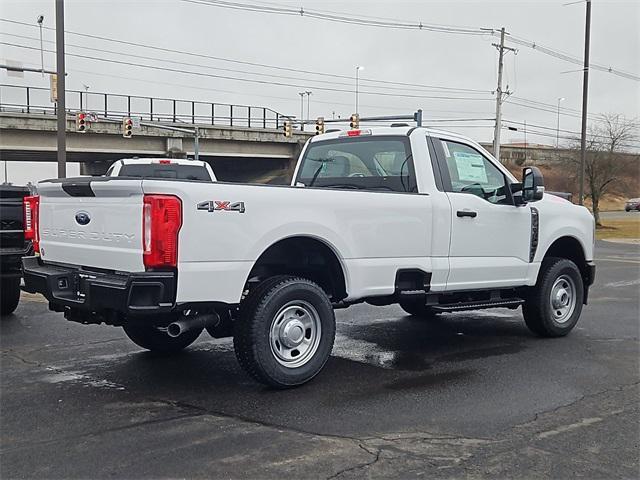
(516, 194)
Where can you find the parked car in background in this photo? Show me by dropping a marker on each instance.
(13, 245)
(161, 168)
(632, 204)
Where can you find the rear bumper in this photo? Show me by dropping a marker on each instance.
(93, 297)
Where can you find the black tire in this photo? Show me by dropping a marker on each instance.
(417, 309)
(150, 338)
(10, 295)
(258, 315)
(538, 309)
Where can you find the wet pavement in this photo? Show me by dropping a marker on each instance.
(465, 395)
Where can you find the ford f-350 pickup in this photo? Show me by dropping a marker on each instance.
(409, 215)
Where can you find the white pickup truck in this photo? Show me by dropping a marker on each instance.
(407, 215)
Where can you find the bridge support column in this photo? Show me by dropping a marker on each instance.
(175, 149)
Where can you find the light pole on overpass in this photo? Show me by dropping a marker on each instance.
(358, 68)
(560, 99)
(308, 93)
(302, 94)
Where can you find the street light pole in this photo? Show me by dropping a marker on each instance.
(560, 99)
(40, 20)
(61, 107)
(301, 110)
(358, 68)
(308, 104)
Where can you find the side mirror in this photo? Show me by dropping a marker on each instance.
(532, 184)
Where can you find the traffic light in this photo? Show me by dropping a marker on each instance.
(81, 122)
(320, 126)
(287, 129)
(127, 127)
(354, 121)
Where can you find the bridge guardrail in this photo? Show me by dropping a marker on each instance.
(148, 109)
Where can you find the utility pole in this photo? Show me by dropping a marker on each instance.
(301, 110)
(61, 107)
(496, 133)
(585, 90)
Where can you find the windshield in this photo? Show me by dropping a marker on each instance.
(157, 170)
(363, 163)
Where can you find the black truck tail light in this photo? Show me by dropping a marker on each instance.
(31, 214)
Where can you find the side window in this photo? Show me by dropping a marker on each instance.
(375, 163)
(471, 172)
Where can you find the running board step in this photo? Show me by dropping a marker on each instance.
(457, 307)
(413, 293)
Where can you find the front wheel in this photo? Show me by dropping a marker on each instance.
(285, 331)
(10, 295)
(152, 338)
(554, 305)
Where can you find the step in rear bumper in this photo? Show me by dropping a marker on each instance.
(72, 289)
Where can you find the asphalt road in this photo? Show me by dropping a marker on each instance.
(469, 395)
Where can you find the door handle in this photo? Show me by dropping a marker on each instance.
(467, 213)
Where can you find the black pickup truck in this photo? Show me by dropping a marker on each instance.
(13, 245)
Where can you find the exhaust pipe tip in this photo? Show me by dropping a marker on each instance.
(177, 328)
(174, 329)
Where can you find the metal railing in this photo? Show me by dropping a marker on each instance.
(26, 99)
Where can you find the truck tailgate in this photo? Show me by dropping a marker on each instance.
(92, 222)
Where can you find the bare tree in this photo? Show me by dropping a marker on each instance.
(604, 169)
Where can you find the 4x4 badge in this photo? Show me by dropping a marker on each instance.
(213, 205)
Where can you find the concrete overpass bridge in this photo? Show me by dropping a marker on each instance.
(242, 143)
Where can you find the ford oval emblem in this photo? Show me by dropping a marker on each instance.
(83, 218)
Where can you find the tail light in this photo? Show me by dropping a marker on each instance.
(31, 210)
(161, 222)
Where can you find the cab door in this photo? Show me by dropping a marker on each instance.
(490, 236)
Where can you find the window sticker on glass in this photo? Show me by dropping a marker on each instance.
(470, 167)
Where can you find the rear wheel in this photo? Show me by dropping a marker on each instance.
(554, 305)
(157, 340)
(10, 295)
(417, 309)
(285, 331)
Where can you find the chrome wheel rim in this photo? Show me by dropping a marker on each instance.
(563, 299)
(295, 333)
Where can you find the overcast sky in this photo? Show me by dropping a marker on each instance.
(299, 42)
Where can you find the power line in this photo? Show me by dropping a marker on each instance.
(342, 18)
(199, 65)
(556, 129)
(254, 64)
(407, 25)
(570, 58)
(239, 79)
(549, 108)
